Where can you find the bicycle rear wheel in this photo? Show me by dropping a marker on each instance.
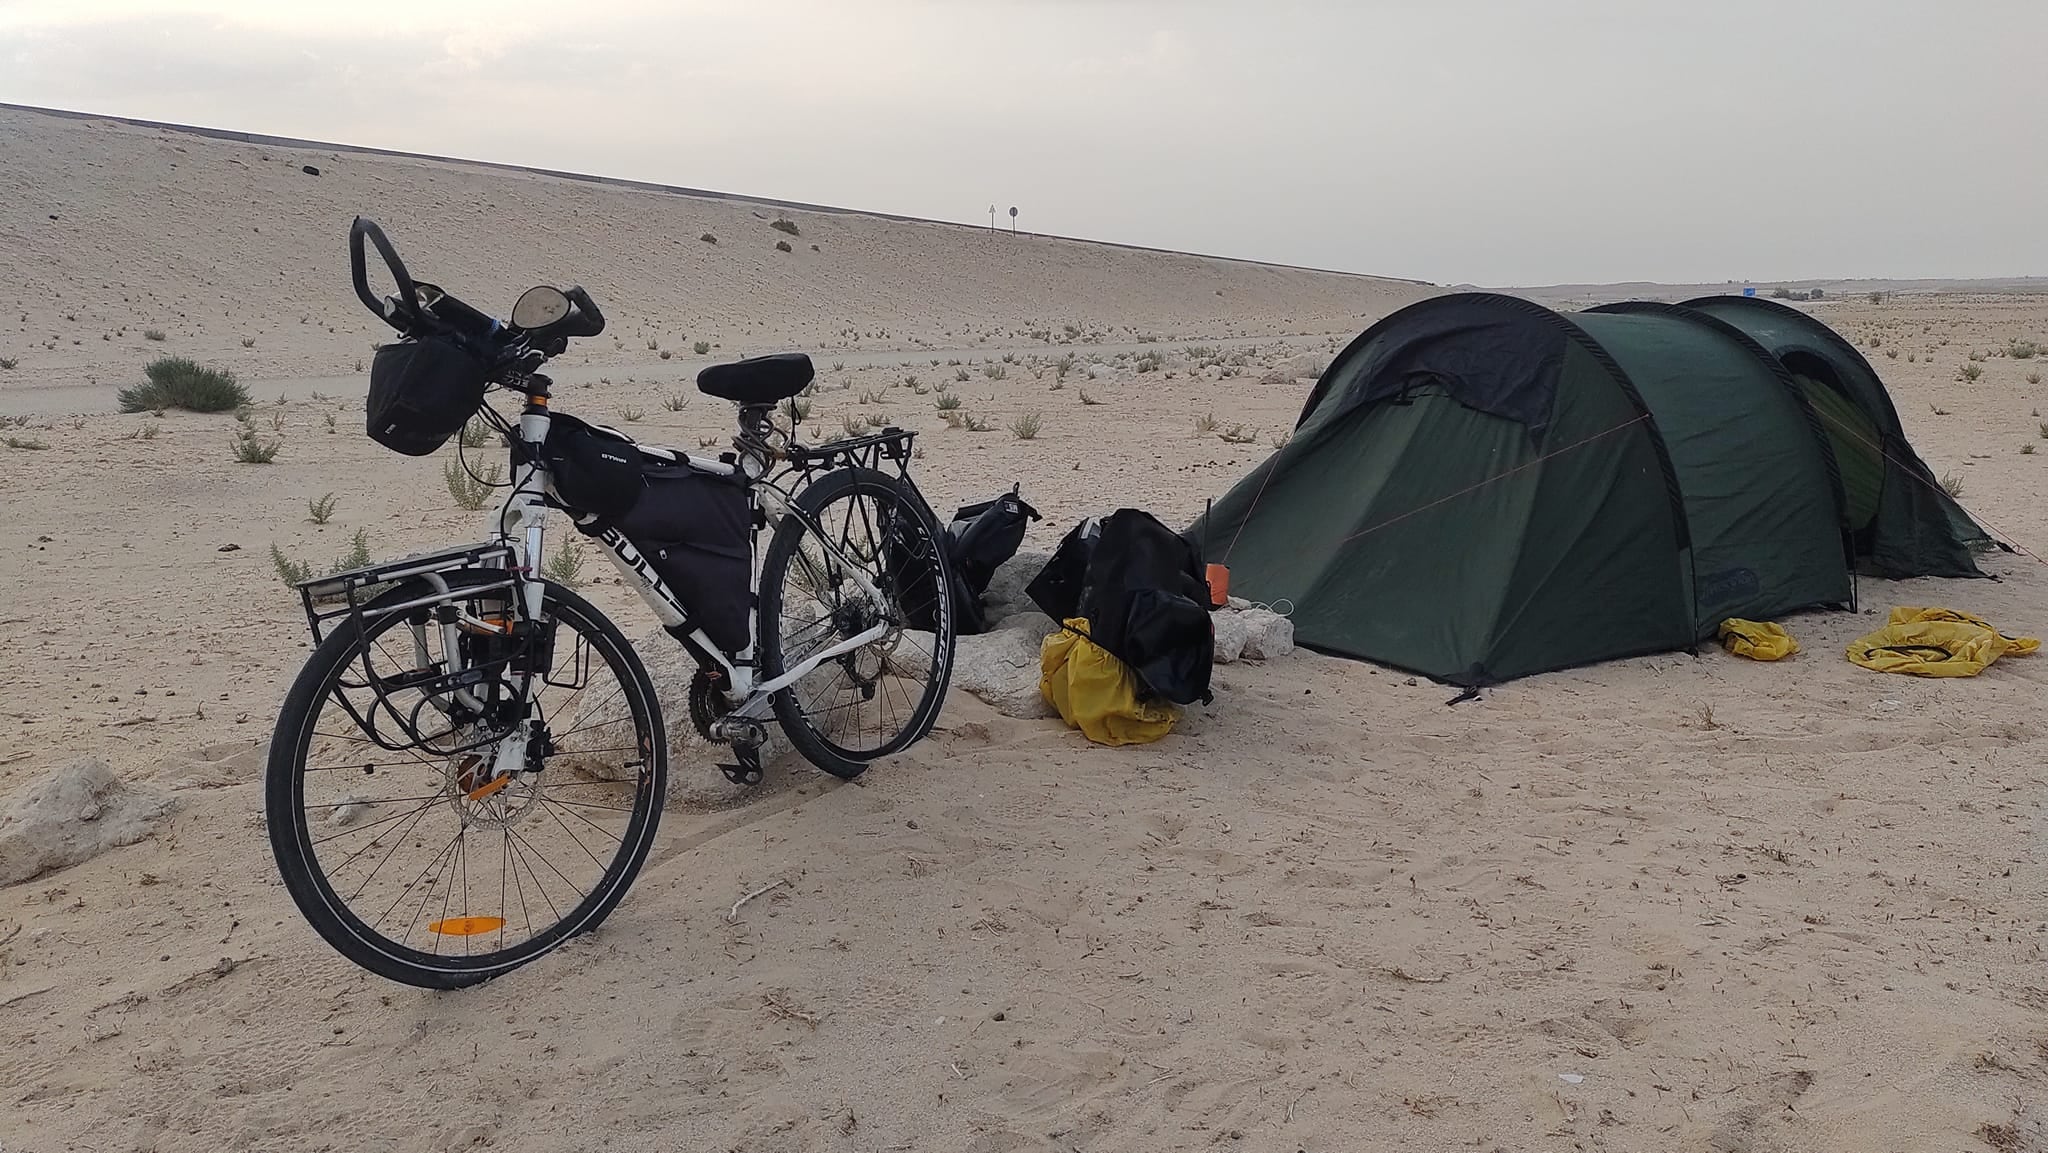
(861, 552)
(402, 849)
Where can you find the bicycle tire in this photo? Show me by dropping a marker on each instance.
(294, 845)
(921, 539)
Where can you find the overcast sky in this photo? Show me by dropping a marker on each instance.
(1504, 143)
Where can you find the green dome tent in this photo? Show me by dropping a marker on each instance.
(1480, 488)
(1905, 525)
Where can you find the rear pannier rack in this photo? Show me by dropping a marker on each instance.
(347, 594)
(890, 444)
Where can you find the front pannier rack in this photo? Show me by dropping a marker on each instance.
(349, 594)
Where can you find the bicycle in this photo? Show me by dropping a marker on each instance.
(470, 768)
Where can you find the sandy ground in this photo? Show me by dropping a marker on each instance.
(1670, 903)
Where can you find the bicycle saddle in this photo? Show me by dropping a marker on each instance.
(759, 379)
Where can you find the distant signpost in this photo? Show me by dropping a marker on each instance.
(1013, 220)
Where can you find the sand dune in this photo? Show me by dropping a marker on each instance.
(1669, 903)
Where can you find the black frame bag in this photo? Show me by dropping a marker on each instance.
(422, 391)
(694, 528)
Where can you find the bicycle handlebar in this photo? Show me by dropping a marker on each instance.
(409, 295)
(421, 307)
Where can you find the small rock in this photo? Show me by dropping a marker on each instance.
(999, 1015)
(234, 548)
(309, 170)
(1002, 668)
(73, 814)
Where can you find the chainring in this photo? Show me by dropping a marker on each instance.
(708, 703)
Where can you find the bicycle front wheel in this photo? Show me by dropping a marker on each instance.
(860, 554)
(394, 833)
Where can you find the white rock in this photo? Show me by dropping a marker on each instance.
(71, 815)
(1268, 635)
(1005, 596)
(1002, 668)
(1230, 636)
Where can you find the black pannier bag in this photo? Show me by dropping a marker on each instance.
(1140, 586)
(692, 527)
(979, 539)
(595, 470)
(421, 393)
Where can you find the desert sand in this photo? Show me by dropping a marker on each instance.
(1679, 902)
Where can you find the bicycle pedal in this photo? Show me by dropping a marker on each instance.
(748, 771)
(740, 774)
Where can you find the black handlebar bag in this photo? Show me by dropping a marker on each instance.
(422, 391)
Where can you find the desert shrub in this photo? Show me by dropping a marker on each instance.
(1876, 297)
(708, 238)
(320, 509)
(8, 363)
(870, 396)
(1150, 362)
(632, 415)
(475, 431)
(785, 224)
(852, 424)
(175, 382)
(946, 402)
(2027, 450)
(564, 564)
(796, 409)
(2023, 350)
(666, 353)
(293, 571)
(1238, 434)
(1952, 485)
(2033, 378)
(1087, 399)
(1024, 426)
(995, 371)
(676, 402)
(1970, 371)
(975, 424)
(1205, 423)
(26, 443)
(783, 246)
(152, 334)
(701, 347)
(471, 490)
(248, 449)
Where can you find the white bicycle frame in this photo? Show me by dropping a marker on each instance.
(520, 524)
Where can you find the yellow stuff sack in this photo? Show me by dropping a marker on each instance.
(1937, 642)
(1096, 693)
(1757, 640)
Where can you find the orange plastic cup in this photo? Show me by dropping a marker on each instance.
(1219, 586)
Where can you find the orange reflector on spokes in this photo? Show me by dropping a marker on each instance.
(485, 790)
(466, 926)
